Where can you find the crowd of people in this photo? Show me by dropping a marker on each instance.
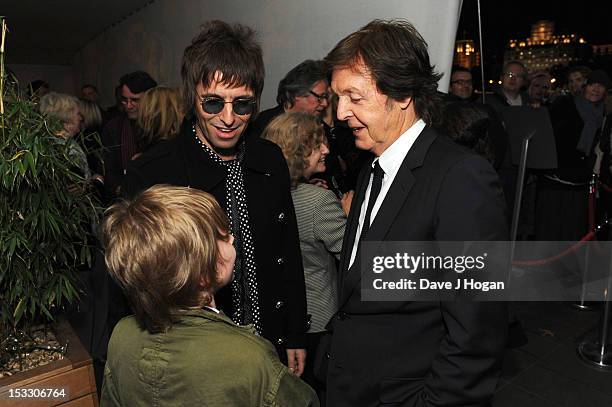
(230, 265)
(555, 204)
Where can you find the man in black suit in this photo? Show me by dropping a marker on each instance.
(423, 188)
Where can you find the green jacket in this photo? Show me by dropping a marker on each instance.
(204, 360)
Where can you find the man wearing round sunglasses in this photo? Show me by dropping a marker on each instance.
(223, 76)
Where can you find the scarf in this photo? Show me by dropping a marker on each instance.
(245, 293)
(592, 115)
(128, 142)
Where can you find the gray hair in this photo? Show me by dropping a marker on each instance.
(59, 105)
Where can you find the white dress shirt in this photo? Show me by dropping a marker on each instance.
(390, 161)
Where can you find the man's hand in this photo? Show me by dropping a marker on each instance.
(347, 199)
(319, 182)
(296, 360)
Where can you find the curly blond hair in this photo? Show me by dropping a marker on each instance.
(160, 115)
(297, 134)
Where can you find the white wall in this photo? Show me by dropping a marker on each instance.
(290, 31)
(59, 77)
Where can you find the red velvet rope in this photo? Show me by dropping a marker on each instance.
(605, 187)
(589, 236)
(572, 248)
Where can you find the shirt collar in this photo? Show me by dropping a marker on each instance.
(391, 159)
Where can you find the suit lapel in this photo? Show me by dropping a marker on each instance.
(353, 219)
(388, 212)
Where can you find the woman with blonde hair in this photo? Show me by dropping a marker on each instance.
(65, 108)
(92, 115)
(159, 115)
(170, 249)
(321, 219)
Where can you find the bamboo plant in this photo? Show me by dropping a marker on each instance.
(46, 214)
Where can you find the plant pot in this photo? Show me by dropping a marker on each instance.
(71, 379)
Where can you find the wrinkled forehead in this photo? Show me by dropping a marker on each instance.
(127, 93)
(516, 68)
(577, 76)
(351, 75)
(461, 75)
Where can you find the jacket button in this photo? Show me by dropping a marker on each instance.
(280, 341)
(267, 174)
(281, 216)
(280, 261)
(327, 355)
(279, 304)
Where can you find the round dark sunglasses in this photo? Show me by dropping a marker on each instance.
(214, 105)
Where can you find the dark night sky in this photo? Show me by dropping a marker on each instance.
(505, 19)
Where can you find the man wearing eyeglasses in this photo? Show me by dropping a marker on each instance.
(120, 134)
(461, 85)
(305, 89)
(223, 77)
(511, 92)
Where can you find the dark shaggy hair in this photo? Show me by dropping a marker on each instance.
(299, 80)
(138, 81)
(396, 56)
(229, 49)
(468, 124)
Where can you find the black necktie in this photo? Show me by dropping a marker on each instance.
(374, 191)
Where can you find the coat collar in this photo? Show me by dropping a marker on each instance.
(197, 161)
(199, 316)
(394, 200)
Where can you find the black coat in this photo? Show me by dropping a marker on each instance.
(280, 276)
(421, 353)
(336, 141)
(567, 126)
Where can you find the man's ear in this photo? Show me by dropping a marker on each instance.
(203, 283)
(404, 104)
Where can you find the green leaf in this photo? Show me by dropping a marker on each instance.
(19, 310)
(31, 164)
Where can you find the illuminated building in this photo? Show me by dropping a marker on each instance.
(604, 50)
(543, 49)
(466, 54)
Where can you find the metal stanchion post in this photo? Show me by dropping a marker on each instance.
(582, 304)
(518, 198)
(599, 353)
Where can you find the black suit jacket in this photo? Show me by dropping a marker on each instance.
(421, 353)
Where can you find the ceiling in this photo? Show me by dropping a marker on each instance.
(52, 31)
